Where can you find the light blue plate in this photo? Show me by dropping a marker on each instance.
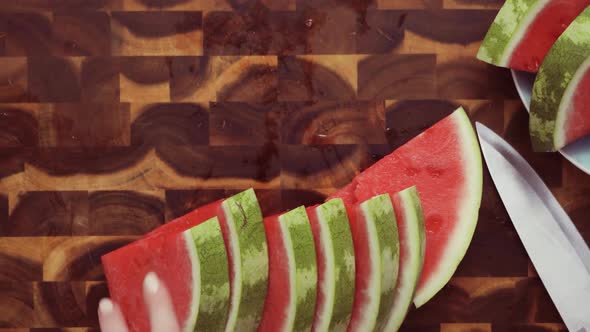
(578, 153)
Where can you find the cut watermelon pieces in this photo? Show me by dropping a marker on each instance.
(376, 249)
(243, 233)
(524, 31)
(336, 266)
(292, 285)
(245, 239)
(412, 239)
(444, 163)
(560, 105)
(193, 264)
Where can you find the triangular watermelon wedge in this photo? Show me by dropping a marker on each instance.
(292, 285)
(560, 105)
(444, 163)
(524, 31)
(336, 266)
(192, 263)
(241, 225)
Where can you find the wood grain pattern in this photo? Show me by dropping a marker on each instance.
(119, 115)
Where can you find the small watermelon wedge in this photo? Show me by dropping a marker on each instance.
(524, 31)
(560, 105)
(412, 239)
(292, 284)
(376, 250)
(444, 163)
(192, 263)
(336, 266)
(241, 225)
(245, 239)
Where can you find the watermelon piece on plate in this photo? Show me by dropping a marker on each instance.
(524, 31)
(412, 239)
(241, 225)
(376, 250)
(444, 163)
(560, 105)
(193, 264)
(292, 284)
(336, 267)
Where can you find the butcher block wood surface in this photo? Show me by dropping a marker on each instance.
(119, 115)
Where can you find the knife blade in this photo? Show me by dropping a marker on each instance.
(556, 248)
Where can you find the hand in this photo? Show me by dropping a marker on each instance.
(159, 306)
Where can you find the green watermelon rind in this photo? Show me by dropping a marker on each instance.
(507, 30)
(248, 289)
(210, 300)
(461, 236)
(555, 84)
(384, 242)
(300, 247)
(338, 281)
(415, 246)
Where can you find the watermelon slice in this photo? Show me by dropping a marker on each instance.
(376, 250)
(444, 163)
(524, 31)
(560, 105)
(336, 266)
(241, 225)
(192, 263)
(245, 239)
(412, 239)
(292, 283)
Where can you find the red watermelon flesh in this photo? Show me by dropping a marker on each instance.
(188, 220)
(126, 268)
(444, 163)
(277, 298)
(578, 122)
(543, 31)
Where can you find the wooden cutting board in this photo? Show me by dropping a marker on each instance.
(118, 115)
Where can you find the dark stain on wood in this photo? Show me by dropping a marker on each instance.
(162, 125)
(158, 24)
(236, 123)
(82, 33)
(187, 75)
(16, 301)
(53, 79)
(47, 213)
(18, 128)
(300, 79)
(397, 76)
(321, 123)
(123, 213)
(60, 304)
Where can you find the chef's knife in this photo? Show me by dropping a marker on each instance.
(556, 248)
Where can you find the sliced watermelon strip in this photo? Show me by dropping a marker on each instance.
(376, 249)
(444, 163)
(179, 259)
(245, 239)
(336, 266)
(560, 111)
(412, 238)
(292, 286)
(524, 31)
